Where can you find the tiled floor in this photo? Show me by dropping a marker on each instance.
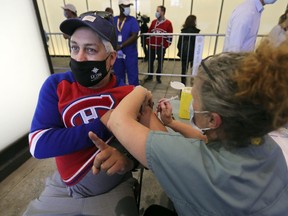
(26, 183)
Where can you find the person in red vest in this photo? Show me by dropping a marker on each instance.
(157, 45)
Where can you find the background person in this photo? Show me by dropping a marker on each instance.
(109, 10)
(144, 20)
(157, 45)
(69, 106)
(186, 45)
(127, 29)
(241, 170)
(69, 12)
(243, 26)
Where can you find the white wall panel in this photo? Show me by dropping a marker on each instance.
(45, 21)
(24, 68)
(177, 12)
(98, 5)
(207, 12)
(80, 5)
(271, 16)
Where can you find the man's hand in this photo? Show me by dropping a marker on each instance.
(109, 159)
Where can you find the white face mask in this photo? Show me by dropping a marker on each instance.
(126, 11)
(65, 14)
(202, 130)
(269, 1)
(157, 15)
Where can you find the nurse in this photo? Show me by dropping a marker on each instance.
(241, 170)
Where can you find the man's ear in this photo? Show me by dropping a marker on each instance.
(215, 121)
(121, 9)
(112, 58)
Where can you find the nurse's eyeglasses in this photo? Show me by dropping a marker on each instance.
(206, 68)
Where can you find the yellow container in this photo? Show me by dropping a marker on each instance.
(185, 101)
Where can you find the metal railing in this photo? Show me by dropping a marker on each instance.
(58, 45)
(212, 44)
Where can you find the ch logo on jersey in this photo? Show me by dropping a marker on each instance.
(86, 110)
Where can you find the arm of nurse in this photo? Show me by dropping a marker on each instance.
(129, 125)
(124, 125)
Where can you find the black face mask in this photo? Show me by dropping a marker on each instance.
(88, 73)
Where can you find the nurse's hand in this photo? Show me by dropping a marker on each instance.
(165, 109)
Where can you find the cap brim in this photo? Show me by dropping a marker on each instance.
(127, 4)
(70, 9)
(64, 8)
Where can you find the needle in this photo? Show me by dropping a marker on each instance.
(170, 99)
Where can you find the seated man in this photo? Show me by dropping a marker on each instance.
(70, 105)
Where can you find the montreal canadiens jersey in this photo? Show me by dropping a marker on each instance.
(158, 27)
(65, 113)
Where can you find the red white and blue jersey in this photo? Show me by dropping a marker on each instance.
(65, 113)
(158, 27)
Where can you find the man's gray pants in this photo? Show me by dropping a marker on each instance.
(56, 199)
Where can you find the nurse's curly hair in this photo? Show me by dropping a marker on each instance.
(248, 90)
(263, 81)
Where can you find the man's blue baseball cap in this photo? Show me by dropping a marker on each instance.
(102, 25)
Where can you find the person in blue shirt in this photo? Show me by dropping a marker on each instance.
(243, 26)
(127, 29)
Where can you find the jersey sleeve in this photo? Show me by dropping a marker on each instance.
(49, 137)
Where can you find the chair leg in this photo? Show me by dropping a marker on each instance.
(138, 187)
